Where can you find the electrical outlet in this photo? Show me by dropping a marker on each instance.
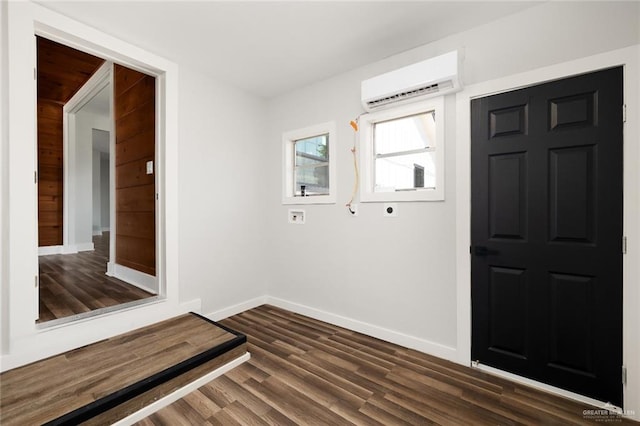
(296, 217)
(352, 210)
(390, 210)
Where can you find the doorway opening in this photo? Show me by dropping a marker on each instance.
(96, 185)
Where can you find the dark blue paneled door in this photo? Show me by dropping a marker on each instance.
(547, 233)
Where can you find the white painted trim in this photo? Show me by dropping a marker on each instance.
(111, 266)
(183, 391)
(288, 139)
(237, 309)
(139, 279)
(65, 249)
(112, 176)
(412, 342)
(49, 250)
(629, 57)
(98, 81)
(4, 178)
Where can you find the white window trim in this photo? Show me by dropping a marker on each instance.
(288, 141)
(367, 154)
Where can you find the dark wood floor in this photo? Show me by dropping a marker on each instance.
(304, 371)
(76, 283)
(48, 389)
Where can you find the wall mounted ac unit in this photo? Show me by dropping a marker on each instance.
(433, 77)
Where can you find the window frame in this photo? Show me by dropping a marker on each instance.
(368, 155)
(289, 140)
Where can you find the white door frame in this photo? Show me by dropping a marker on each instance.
(629, 58)
(98, 81)
(25, 340)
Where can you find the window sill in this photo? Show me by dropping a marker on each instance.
(402, 196)
(318, 199)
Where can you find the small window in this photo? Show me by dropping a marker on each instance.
(309, 163)
(402, 153)
(311, 166)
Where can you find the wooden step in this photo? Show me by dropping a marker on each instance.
(111, 379)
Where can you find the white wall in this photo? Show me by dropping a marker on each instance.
(105, 201)
(223, 232)
(397, 276)
(96, 196)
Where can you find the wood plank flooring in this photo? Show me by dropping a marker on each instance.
(304, 371)
(73, 284)
(129, 363)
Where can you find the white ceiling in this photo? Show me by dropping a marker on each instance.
(268, 48)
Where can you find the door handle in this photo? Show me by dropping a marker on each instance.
(483, 251)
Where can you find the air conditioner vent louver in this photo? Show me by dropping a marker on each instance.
(422, 91)
(433, 77)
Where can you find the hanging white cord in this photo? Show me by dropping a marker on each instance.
(354, 125)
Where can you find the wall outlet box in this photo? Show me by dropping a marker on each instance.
(296, 216)
(390, 210)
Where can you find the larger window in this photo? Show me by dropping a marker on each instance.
(309, 165)
(402, 153)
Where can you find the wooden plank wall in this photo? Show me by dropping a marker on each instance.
(62, 71)
(134, 105)
(50, 173)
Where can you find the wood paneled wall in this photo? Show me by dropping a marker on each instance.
(62, 71)
(134, 106)
(50, 173)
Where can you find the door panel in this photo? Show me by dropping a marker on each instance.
(134, 108)
(507, 199)
(508, 307)
(546, 230)
(571, 325)
(572, 194)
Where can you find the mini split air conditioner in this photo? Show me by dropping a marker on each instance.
(433, 77)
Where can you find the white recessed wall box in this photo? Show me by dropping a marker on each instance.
(433, 77)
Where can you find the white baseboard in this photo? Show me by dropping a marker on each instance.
(110, 269)
(106, 229)
(97, 232)
(237, 309)
(426, 346)
(174, 396)
(49, 250)
(139, 279)
(412, 342)
(68, 249)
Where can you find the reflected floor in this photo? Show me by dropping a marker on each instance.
(72, 284)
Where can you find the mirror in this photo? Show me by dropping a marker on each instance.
(96, 239)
